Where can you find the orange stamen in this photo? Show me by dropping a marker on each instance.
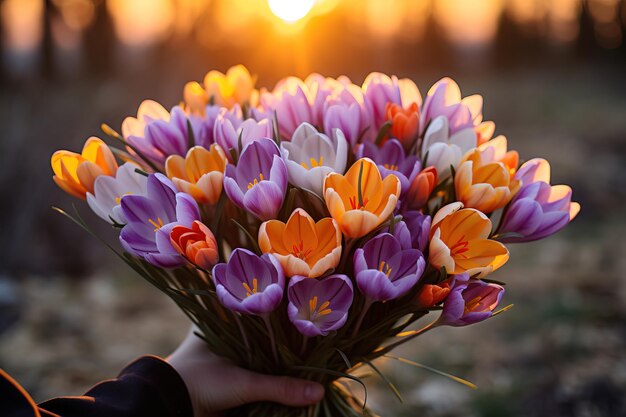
(255, 181)
(157, 225)
(254, 289)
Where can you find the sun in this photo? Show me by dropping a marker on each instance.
(291, 10)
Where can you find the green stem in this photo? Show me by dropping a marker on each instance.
(270, 331)
(357, 326)
(392, 346)
(243, 336)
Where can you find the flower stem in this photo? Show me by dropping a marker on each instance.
(366, 306)
(243, 336)
(270, 331)
(305, 341)
(392, 346)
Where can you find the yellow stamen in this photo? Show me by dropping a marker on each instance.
(314, 163)
(391, 167)
(254, 289)
(385, 268)
(472, 304)
(255, 181)
(157, 225)
(118, 200)
(318, 312)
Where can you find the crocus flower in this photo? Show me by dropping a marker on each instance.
(227, 133)
(412, 231)
(459, 242)
(404, 123)
(346, 118)
(432, 294)
(302, 246)
(150, 219)
(418, 225)
(292, 101)
(259, 181)
(249, 283)
(420, 187)
(311, 155)
(537, 211)
(391, 159)
(200, 173)
(227, 90)
(384, 270)
(196, 243)
(444, 99)
(469, 302)
(148, 111)
(319, 306)
(379, 90)
(534, 170)
(484, 186)
(195, 98)
(443, 149)
(496, 150)
(108, 191)
(162, 138)
(76, 174)
(361, 200)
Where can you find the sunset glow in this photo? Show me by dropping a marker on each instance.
(291, 10)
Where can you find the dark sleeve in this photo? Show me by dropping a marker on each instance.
(147, 387)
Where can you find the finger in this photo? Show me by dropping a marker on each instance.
(281, 389)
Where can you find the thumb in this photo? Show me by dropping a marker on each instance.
(281, 389)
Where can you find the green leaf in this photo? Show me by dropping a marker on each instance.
(345, 358)
(253, 242)
(191, 139)
(506, 235)
(390, 384)
(436, 371)
(383, 132)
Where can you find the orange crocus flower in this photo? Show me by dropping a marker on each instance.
(431, 294)
(196, 243)
(484, 186)
(361, 200)
(76, 174)
(302, 246)
(459, 242)
(200, 173)
(404, 123)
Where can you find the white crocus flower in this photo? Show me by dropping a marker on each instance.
(445, 150)
(311, 155)
(108, 192)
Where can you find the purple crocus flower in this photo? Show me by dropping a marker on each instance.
(259, 181)
(538, 210)
(384, 270)
(227, 132)
(249, 283)
(319, 306)
(164, 138)
(150, 219)
(391, 159)
(413, 230)
(345, 118)
(444, 99)
(469, 301)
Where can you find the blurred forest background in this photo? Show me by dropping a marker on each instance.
(552, 73)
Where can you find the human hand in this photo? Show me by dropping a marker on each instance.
(215, 384)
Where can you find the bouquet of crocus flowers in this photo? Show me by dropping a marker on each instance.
(307, 229)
